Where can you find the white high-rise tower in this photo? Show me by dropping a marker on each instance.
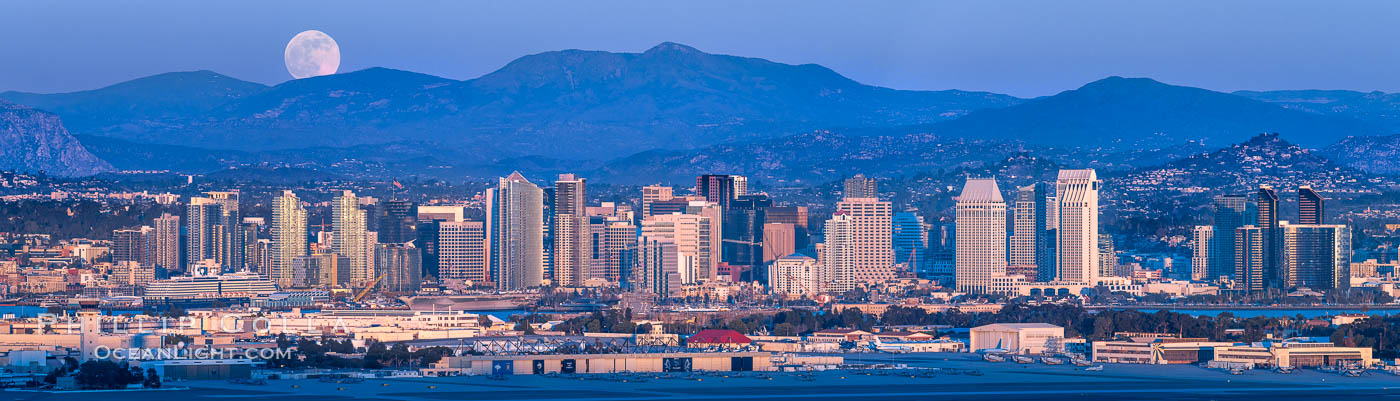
(1077, 250)
(288, 237)
(981, 235)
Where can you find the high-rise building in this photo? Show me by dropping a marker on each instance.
(134, 245)
(201, 215)
(252, 231)
(427, 228)
(324, 269)
(350, 238)
(397, 221)
(707, 265)
(741, 185)
(743, 236)
(461, 252)
(716, 188)
(1249, 259)
(778, 241)
(909, 239)
(515, 233)
(874, 258)
(658, 266)
(1316, 256)
(570, 232)
(691, 235)
(1310, 206)
(1231, 213)
(839, 253)
(1108, 256)
(981, 236)
(611, 239)
(167, 241)
(401, 265)
(655, 193)
(797, 217)
(1031, 241)
(1202, 252)
(859, 186)
(1268, 222)
(289, 236)
(1077, 253)
(229, 235)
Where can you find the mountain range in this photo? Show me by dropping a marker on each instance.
(35, 141)
(670, 109)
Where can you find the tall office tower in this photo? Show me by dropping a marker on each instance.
(547, 238)
(658, 266)
(428, 219)
(741, 185)
(570, 232)
(610, 241)
(778, 241)
(397, 221)
(692, 235)
(349, 237)
(515, 233)
(872, 217)
(859, 186)
(168, 241)
(252, 230)
(134, 245)
(262, 257)
(1202, 253)
(909, 239)
(1249, 259)
(1031, 240)
(707, 266)
(716, 188)
(401, 265)
(289, 235)
(1316, 256)
(655, 193)
(201, 215)
(229, 242)
(1231, 213)
(1077, 251)
(461, 251)
(743, 236)
(1310, 206)
(797, 217)
(981, 236)
(839, 253)
(1108, 256)
(1268, 222)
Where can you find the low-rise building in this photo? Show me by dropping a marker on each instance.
(1021, 338)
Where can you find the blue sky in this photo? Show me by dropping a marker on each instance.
(1024, 48)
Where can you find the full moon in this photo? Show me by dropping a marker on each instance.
(312, 54)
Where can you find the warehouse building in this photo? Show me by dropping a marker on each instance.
(1021, 338)
(613, 363)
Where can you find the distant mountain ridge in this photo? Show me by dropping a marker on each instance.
(34, 141)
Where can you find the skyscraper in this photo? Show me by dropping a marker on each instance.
(981, 236)
(570, 231)
(794, 215)
(778, 241)
(397, 221)
(1310, 206)
(134, 245)
(349, 237)
(201, 215)
(289, 235)
(228, 236)
(1077, 192)
(1249, 259)
(859, 186)
(461, 250)
(1203, 243)
(515, 233)
(1231, 213)
(741, 185)
(167, 241)
(1030, 244)
(1316, 256)
(716, 188)
(610, 241)
(658, 266)
(909, 239)
(839, 254)
(1108, 256)
(743, 235)
(401, 267)
(874, 257)
(1268, 222)
(691, 234)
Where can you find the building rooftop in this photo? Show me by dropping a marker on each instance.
(980, 190)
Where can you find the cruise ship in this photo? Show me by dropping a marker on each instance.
(211, 286)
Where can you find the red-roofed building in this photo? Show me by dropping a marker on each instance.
(718, 338)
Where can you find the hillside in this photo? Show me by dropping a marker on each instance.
(34, 141)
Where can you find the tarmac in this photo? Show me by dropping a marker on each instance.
(957, 377)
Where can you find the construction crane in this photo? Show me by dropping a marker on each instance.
(368, 288)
